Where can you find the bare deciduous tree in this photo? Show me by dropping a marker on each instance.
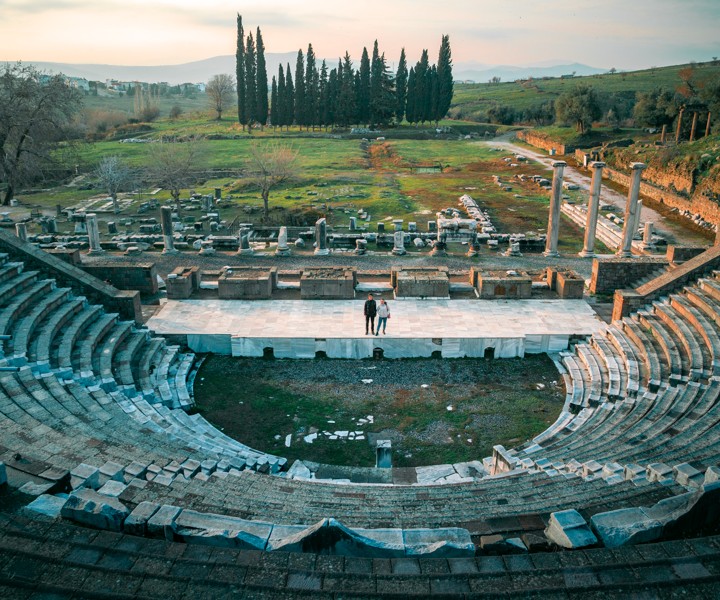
(115, 176)
(35, 113)
(220, 90)
(272, 164)
(176, 165)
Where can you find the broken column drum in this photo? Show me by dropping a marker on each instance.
(93, 233)
(167, 230)
(244, 242)
(321, 237)
(21, 231)
(282, 247)
(553, 231)
(631, 211)
(588, 250)
(399, 243)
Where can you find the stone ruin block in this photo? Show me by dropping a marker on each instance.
(568, 284)
(328, 283)
(247, 283)
(420, 282)
(182, 282)
(515, 285)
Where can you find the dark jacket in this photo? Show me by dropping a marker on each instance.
(370, 308)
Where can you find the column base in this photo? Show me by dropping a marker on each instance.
(96, 251)
(246, 251)
(322, 251)
(399, 251)
(170, 251)
(587, 254)
(551, 254)
(282, 252)
(623, 254)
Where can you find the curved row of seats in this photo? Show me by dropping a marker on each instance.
(80, 386)
(78, 370)
(646, 390)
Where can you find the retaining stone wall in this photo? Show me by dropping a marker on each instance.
(126, 276)
(698, 204)
(610, 274)
(544, 143)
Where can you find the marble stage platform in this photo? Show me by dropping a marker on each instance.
(417, 328)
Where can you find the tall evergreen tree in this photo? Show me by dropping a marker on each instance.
(261, 104)
(363, 92)
(331, 98)
(250, 80)
(311, 89)
(445, 79)
(422, 88)
(433, 95)
(240, 72)
(411, 103)
(274, 104)
(278, 110)
(289, 109)
(322, 109)
(401, 85)
(299, 107)
(382, 101)
(375, 83)
(346, 97)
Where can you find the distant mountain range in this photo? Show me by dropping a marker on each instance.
(202, 70)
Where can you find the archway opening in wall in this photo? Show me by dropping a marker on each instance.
(332, 411)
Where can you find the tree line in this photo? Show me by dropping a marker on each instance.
(322, 96)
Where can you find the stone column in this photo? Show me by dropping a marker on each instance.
(398, 243)
(679, 125)
(647, 236)
(167, 230)
(93, 233)
(52, 225)
(282, 247)
(321, 248)
(693, 126)
(398, 223)
(21, 231)
(244, 239)
(707, 125)
(631, 211)
(588, 250)
(353, 223)
(551, 243)
(663, 135)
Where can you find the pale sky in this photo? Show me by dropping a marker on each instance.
(625, 34)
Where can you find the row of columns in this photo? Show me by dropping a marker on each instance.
(633, 207)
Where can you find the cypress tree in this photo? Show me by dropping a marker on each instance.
(278, 110)
(422, 88)
(311, 89)
(375, 84)
(346, 99)
(444, 79)
(289, 98)
(363, 92)
(274, 103)
(240, 72)
(250, 80)
(331, 99)
(411, 103)
(299, 107)
(261, 104)
(433, 96)
(322, 110)
(401, 85)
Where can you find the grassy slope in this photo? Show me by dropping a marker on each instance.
(479, 97)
